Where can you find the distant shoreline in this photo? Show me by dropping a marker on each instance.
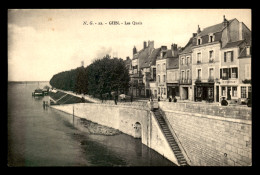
(22, 82)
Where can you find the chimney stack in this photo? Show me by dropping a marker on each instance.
(225, 22)
(174, 50)
(194, 34)
(134, 50)
(240, 33)
(198, 31)
(145, 44)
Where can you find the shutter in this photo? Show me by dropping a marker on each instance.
(229, 73)
(232, 56)
(220, 73)
(225, 56)
(236, 72)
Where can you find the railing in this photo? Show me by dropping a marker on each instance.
(211, 79)
(224, 78)
(185, 81)
(198, 80)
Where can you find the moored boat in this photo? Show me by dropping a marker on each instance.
(38, 92)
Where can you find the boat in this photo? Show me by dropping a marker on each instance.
(38, 92)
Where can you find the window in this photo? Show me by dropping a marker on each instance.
(158, 90)
(182, 61)
(199, 74)
(159, 78)
(163, 78)
(211, 55)
(223, 91)
(188, 74)
(211, 73)
(248, 71)
(234, 91)
(199, 41)
(198, 57)
(210, 38)
(188, 60)
(225, 74)
(154, 74)
(228, 56)
(234, 72)
(243, 91)
(182, 75)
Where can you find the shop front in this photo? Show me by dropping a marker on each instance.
(173, 90)
(204, 91)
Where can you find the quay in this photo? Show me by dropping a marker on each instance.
(188, 134)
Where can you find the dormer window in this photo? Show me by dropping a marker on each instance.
(211, 37)
(199, 41)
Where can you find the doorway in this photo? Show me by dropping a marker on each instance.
(229, 93)
(217, 95)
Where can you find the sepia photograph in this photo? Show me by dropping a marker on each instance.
(129, 87)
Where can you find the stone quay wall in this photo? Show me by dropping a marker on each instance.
(211, 135)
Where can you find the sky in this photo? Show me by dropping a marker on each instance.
(44, 42)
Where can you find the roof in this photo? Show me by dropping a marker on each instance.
(213, 29)
(146, 59)
(172, 63)
(233, 44)
(187, 48)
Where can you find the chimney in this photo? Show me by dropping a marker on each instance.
(198, 31)
(145, 44)
(127, 58)
(134, 50)
(174, 50)
(225, 22)
(240, 33)
(163, 47)
(194, 34)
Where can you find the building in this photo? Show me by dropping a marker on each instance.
(235, 62)
(142, 72)
(161, 72)
(210, 49)
(185, 67)
(172, 72)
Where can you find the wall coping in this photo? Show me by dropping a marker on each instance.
(248, 122)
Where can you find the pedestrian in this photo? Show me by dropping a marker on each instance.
(115, 100)
(151, 104)
(174, 99)
(170, 99)
(131, 98)
(224, 102)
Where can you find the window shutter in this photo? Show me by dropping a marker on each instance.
(232, 56)
(225, 56)
(229, 73)
(236, 72)
(220, 73)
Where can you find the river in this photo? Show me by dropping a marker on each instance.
(47, 137)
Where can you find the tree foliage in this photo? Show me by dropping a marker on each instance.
(102, 76)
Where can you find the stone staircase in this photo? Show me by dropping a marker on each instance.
(173, 144)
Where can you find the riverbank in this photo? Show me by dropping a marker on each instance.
(95, 128)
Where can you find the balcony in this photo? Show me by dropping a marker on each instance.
(198, 80)
(224, 78)
(211, 80)
(185, 81)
